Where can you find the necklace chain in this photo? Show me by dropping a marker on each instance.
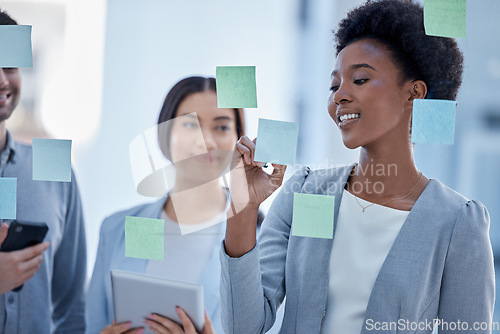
(389, 201)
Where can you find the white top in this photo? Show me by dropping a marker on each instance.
(361, 243)
(186, 255)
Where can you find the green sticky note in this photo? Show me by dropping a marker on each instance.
(236, 87)
(276, 142)
(15, 46)
(445, 18)
(51, 160)
(313, 215)
(433, 121)
(8, 197)
(144, 238)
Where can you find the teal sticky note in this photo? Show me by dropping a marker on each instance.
(313, 215)
(236, 87)
(15, 46)
(433, 121)
(51, 160)
(445, 18)
(8, 197)
(276, 142)
(144, 238)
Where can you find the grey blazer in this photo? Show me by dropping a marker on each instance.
(440, 266)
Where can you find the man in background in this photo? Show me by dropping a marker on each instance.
(52, 273)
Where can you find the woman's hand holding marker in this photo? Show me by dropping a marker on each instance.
(248, 180)
(250, 186)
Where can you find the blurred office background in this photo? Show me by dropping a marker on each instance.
(102, 69)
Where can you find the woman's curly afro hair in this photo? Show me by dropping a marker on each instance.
(399, 25)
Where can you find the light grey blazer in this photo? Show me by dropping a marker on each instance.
(440, 265)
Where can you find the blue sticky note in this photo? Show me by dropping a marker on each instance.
(276, 142)
(433, 121)
(236, 87)
(15, 46)
(445, 18)
(8, 197)
(313, 215)
(51, 160)
(144, 238)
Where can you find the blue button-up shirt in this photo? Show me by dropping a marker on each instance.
(53, 300)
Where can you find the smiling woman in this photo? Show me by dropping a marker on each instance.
(199, 139)
(202, 139)
(411, 251)
(366, 83)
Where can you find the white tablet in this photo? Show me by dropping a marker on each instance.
(135, 296)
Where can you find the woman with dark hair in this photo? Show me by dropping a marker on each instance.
(406, 250)
(199, 139)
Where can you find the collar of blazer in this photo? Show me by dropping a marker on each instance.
(409, 279)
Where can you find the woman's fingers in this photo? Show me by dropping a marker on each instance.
(252, 144)
(247, 148)
(120, 328)
(135, 331)
(249, 144)
(208, 328)
(123, 327)
(244, 151)
(158, 328)
(186, 322)
(255, 163)
(162, 325)
(278, 174)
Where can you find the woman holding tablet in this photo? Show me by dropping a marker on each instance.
(406, 249)
(199, 139)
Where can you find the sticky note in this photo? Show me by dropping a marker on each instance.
(433, 121)
(276, 142)
(313, 215)
(445, 18)
(8, 197)
(15, 46)
(144, 238)
(236, 87)
(51, 160)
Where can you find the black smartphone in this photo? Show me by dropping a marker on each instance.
(22, 235)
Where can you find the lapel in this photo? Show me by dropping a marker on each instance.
(387, 301)
(314, 267)
(395, 294)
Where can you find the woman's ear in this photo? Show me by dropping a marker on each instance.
(418, 90)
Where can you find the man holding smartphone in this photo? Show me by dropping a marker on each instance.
(52, 273)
